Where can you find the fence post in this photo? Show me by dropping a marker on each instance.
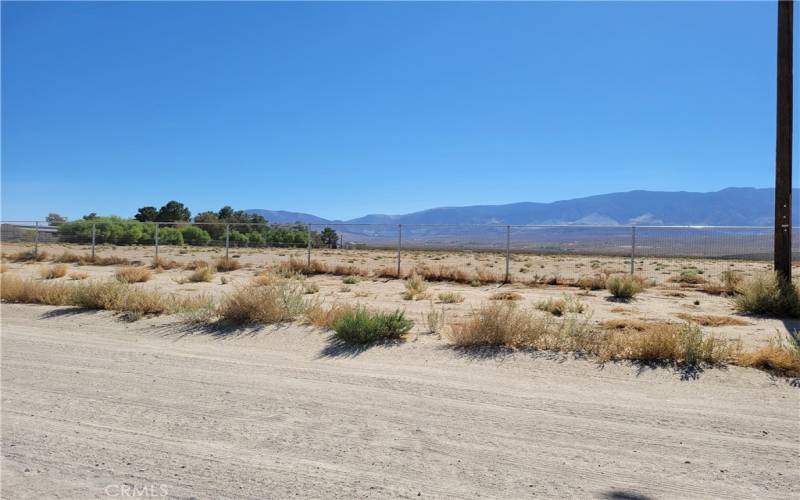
(227, 239)
(633, 247)
(156, 240)
(94, 234)
(399, 246)
(308, 237)
(36, 241)
(508, 252)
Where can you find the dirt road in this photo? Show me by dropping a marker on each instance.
(96, 407)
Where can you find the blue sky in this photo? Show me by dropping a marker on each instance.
(343, 109)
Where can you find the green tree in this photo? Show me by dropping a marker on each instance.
(193, 235)
(54, 219)
(146, 214)
(173, 211)
(329, 237)
(216, 231)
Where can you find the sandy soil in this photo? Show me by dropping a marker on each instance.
(92, 405)
(664, 302)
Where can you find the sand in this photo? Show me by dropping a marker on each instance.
(93, 406)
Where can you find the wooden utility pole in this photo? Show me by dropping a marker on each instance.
(783, 144)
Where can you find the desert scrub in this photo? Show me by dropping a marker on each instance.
(416, 287)
(310, 288)
(451, 297)
(162, 264)
(766, 294)
(131, 274)
(224, 264)
(624, 287)
(202, 274)
(27, 291)
(27, 256)
(778, 356)
(53, 272)
(434, 319)
(559, 307)
(322, 316)
(506, 324)
(78, 275)
(350, 280)
(273, 303)
(68, 258)
(362, 326)
(505, 295)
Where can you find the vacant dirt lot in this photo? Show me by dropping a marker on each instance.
(663, 302)
(92, 405)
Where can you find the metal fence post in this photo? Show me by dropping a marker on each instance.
(633, 247)
(227, 239)
(508, 252)
(308, 244)
(36, 241)
(399, 246)
(94, 235)
(156, 240)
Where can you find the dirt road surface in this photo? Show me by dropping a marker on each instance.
(94, 407)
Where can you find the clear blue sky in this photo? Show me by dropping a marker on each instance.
(343, 109)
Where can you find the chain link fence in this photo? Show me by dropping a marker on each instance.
(524, 253)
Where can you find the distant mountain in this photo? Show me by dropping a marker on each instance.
(284, 217)
(728, 207)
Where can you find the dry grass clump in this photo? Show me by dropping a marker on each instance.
(224, 264)
(505, 324)
(160, 263)
(97, 260)
(196, 264)
(317, 267)
(203, 274)
(27, 256)
(132, 274)
(275, 303)
(416, 287)
(27, 291)
(68, 258)
(451, 297)
(505, 295)
(444, 273)
(624, 286)
(310, 288)
(53, 272)
(4, 267)
(712, 320)
(688, 278)
(386, 272)
(765, 293)
(776, 357)
(109, 295)
(78, 275)
(596, 282)
(559, 307)
(321, 316)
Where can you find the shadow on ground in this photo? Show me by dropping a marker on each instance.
(339, 349)
(624, 495)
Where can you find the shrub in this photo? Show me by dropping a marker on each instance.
(310, 288)
(54, 271)
(766, 294)
(68, 257)
(434, 319)
(559, 307)
(362, 326)
(193, 235)
(224, 264)
(98, 260)
(203, 274)
(169, 236)
(451, 297)
(163, 264)
(263, 304)
(195, 264)
(350, 280)
(596, 282)
(415, 287)
(623, 286)
(238, 239)
(27, 291)
(505, 295)
(776, 356)
(27, 256)
(691, 277)
(321, 316)
(78, 275)
(131, 274)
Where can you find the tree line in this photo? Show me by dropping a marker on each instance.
(177, 227)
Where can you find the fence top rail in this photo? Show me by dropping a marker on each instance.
(33, 223)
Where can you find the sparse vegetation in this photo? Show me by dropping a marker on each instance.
(559, 307)
(224, 264)
(162, 264)
(202, 274)
(321, 316)
(434, 319)
(350, 280)
(274, 303)
(362, 326)
(132, 274)
(53, 272)
(624, 286)
(505, 295)
(712, 320)
(451, 297)
(767, 295)
(782, 358)
(78, 275)
(416, 287)
(27, 256)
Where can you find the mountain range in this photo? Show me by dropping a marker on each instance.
(727, 207)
